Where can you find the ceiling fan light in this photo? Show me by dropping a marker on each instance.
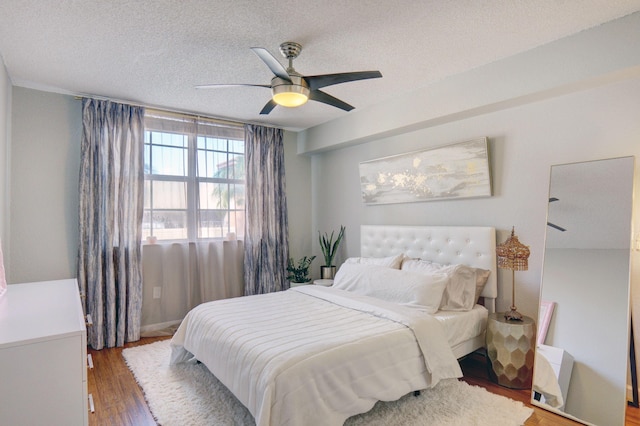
(290, 95)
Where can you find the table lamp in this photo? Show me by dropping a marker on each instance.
(513, 255)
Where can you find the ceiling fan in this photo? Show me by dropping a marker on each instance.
(290, 88)
(553, 225)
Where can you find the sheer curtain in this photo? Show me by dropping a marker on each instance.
(111, 206)
(179, 276)
(267, 231)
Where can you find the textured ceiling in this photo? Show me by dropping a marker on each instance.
(154, 52)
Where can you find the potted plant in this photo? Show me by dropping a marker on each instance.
(329, 249)
(299, 273)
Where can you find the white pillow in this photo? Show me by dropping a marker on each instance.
(393, 285)
(482, 276)
(464, 287)
(390, 262)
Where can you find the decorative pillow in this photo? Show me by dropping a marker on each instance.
(413, 289)
(464, 287)
(390, 262)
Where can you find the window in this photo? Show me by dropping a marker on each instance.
(194, 174)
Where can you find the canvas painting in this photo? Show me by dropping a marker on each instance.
(459, 170)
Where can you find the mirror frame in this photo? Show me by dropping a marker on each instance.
(580, 376)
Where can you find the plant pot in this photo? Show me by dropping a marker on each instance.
(327, 272)
(292, 284)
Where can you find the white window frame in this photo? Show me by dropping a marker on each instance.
(192, 127)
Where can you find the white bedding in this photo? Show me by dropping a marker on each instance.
(460, 326)
(314, 352)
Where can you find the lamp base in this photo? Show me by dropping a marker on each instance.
(513, 315)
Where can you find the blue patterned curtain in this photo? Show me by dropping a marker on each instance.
(266, 238)
(111, 206)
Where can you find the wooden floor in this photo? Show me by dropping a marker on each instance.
(119, 401)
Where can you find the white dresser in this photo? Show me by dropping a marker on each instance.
(43, 353)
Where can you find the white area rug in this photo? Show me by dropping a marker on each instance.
(190, 395)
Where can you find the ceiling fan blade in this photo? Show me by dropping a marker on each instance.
(325, 98)
(274, 65)
(320, 81)
(553, 225)
(269, 106)
(216, 86)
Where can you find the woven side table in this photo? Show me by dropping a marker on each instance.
(511, 349)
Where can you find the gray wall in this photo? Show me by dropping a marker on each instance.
(524, 143)
(45, 161)
(298, 182)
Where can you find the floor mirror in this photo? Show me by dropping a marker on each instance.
(582, 356)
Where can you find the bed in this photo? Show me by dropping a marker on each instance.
(322, 352)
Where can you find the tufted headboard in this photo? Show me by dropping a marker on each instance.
(470, 245)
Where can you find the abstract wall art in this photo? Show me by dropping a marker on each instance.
(459, 170)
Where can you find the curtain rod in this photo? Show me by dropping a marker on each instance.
(153, 108)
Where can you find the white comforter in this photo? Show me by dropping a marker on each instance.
(314, 353)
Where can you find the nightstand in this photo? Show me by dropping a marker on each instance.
(511, 349)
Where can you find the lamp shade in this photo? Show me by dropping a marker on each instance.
(289, 98)
(290, 93)
(512, 254)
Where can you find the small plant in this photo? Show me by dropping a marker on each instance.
(330, 247)
(299, 273)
